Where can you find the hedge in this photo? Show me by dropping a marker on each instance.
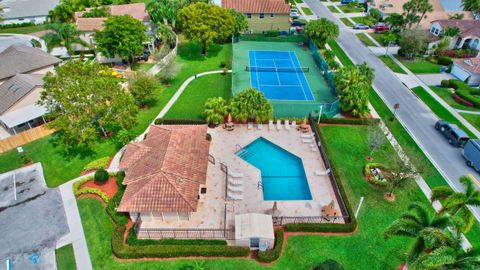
(100, 163)
(463, 101)
(168, 251)
(162, 121)
(132, 240)
(117, 217)
(273, 254)
(349, 121)
(472, 95)
(101, 176)
(96, 191)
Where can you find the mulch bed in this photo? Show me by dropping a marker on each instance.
(110, 187)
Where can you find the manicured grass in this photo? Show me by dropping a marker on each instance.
(391, 64)
(143, 66)
(474, 119)
(447, 95)
(365, 40)
(191, 103)
(438, 109)
(23, 30)
(60, 167)
(364, 19)
(347, 22)
(307, 11)
(65, 258)
(349, 9)
(419, 65)
(379, 37)
(333, 9)
(299, 1)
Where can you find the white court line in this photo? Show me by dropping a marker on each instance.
(298, 77)
(255, 56)
(285, 85)
(276, 73)
(306, 80)
(249, 73)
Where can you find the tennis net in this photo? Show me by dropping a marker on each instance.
(277, 69)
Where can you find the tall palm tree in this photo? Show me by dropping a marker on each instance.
(471, 5)
(455, 203)
(417, 223)
(423, 7)
(63, 34)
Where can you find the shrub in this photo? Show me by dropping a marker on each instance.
(444, 60)
(329, 265)
(168, 251)
(162, 121)
(117, 217)
(349, 121)
(273, 254)
(132, 240)
(223, 64)
(471, 95)
(445, 83)
(16, 25)
(368, 174)
(100, 163)
(101, 176)
(376, 14)
(321, 227)
(96, 191)
(463, 101)
(457, 84)
(272, 33)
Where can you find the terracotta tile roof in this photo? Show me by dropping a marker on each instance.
(467, 27)
(258, 6)
(164, 172)
(471, 65)
(136, 10)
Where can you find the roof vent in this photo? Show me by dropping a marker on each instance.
(13, 88)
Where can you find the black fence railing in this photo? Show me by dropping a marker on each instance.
(283, 220)
(331, 176)
(154, 233)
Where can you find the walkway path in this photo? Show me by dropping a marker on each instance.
(468, 112)
(25, 38)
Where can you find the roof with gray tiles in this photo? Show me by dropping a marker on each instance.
(23, 59)
(16, 88)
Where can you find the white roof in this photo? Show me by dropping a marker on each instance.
(254, 225)
(22, 115)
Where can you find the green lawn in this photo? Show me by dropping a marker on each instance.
(474, 119)
(23, 30)
(65, 258)
(365, 40)
(60, 167)
(143, 66)
(347, 22)
(391, 64)
(348, 9)
(191, 102)
(419, 65)
(299, 1)
(307, 11)
(333, 9)
(438, 109)
(379, 37)
(364, 19)
(446, 95)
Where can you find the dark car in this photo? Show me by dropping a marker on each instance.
(298, 23)
(360, 26)
(453, 133)
(381, 27)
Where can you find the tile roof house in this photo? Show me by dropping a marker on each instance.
(21, 11)
(469, 36)
(164, 173)
(467, 70)
(262, 15)
(23, 59)
(18, 98)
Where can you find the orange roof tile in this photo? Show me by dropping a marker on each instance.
(258, 6)
(471, 65)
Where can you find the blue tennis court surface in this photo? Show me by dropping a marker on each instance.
(281, 77)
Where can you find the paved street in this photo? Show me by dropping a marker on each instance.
(413, 114)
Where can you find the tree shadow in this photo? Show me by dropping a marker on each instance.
(192, 51)
(69, 149)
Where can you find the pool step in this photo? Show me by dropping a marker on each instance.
(245, 154)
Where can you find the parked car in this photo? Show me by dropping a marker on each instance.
(360, 26)
(294, 15)
(453, 133)
(381, 27)
(298, 23)
(471, 153)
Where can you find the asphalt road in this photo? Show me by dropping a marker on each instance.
(415, 116)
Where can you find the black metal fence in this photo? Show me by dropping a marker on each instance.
(283, 220)
(185, 234)
(331, 176)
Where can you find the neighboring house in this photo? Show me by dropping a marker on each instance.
(23, 59)
(23, 11)
(469, 36)
(165, 174)
(262, 15)
(88, 25)
(18, 98)
(467, 70)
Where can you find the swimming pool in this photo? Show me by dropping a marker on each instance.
(283, 175)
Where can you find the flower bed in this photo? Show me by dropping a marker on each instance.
(367, 172)
(79, 188)
(463, 101)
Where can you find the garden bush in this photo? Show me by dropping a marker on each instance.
(101, 176)
(444, 60)
(349, 121)
(96, 191)
(368, 174)
(272, 33)
(100, 163)
(329, 265)
(376, 14)
(457, 84)
(470, 94)
(163, 121)
(273, 254)
(461, 100)
(132, 240)
(16, 25)
(117, 217)
(321, 227)
(445, 83)
(168, 251)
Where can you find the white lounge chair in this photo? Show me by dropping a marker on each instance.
(287, 125)
(233, 196)
(235, 188)
(320, 173)
(307, 135)
(307, 140)
(235, 174)
(279, 125)
(294, 125)
(260, 126)
(249, 125)
(270, 125)
(235, 182)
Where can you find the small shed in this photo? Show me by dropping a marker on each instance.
(254, 231)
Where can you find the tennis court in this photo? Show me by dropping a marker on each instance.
(278, 75)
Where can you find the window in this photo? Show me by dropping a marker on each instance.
(262, 15)
(249, 15)
(435, 31)
(271, 15)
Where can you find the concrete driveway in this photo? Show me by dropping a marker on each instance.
(434, 79)
(33, 223)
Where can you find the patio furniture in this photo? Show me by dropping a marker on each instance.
(287, 125)
(249, 125)
(233, 196)
(329, 210)
(229, 126)
(235, 174)
(260, 126)
(235, 188)
(304, 127)
(307, 136)
(235, 182)
(307, 140)
(270, 125)
(294, 124)
(279, 125)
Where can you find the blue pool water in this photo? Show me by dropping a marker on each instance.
(283, 175)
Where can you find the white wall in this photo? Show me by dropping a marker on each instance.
(474, 80)
(459, 72)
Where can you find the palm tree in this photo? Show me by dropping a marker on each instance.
(215, 110)
(166, 34)
(417, 223)
(471, 5)
(165, 11)
(62, 13)
(63, 34)
(251, 104)
(456, 203)
(423, 7)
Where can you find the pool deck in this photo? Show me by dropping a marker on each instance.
(211, 208)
